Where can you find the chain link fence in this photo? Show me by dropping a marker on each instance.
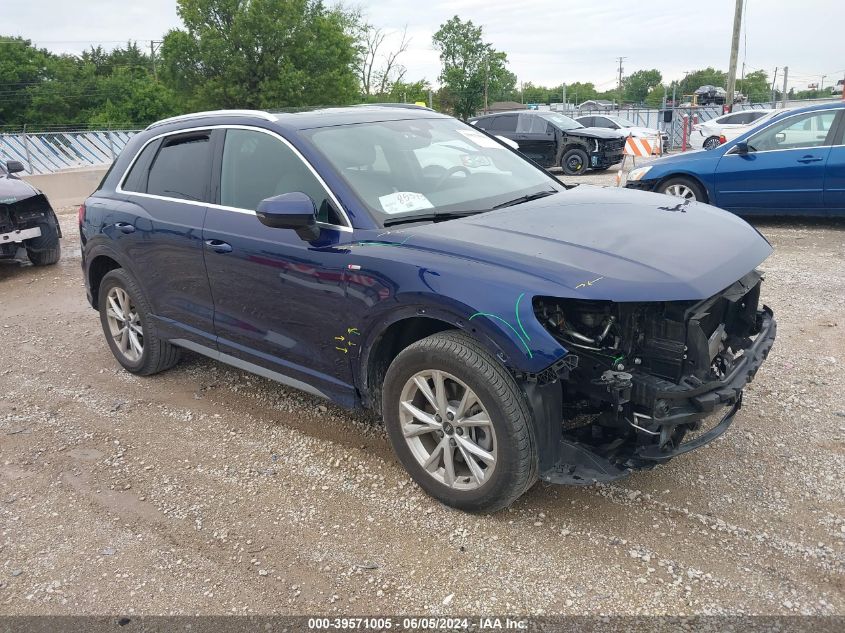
(51, 151)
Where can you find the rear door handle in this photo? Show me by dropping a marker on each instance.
(810, 159)
(219, 246)
(125, 227)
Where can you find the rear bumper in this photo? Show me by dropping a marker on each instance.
(20, 236)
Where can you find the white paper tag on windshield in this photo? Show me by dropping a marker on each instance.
(401, 201)
(480, 139)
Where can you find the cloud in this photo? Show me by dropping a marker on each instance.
(547, 41)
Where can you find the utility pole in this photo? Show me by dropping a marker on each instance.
(430, 99)
(785, 77)
(155, 45)
(734, 52)
(619, 86)
(772, 90)
(486, 81)
(563, 95)
(821, 86)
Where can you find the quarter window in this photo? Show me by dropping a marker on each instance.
(182, 167)
(258, 166)
(136, 180)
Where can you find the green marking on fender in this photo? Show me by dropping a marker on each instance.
(497, 317)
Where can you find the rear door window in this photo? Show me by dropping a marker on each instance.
(182, 167)
(504, 123)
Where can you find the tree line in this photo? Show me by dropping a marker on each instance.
(276, 54)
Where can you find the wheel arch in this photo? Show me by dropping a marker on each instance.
(385, 344)
(97, 269)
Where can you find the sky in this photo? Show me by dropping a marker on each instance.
(547, 41)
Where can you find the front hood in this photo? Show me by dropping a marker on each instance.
(14, 190)
(607, 244)
(595, 132)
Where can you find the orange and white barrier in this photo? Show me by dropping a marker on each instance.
(643, 146)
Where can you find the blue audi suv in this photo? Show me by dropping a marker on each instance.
(506, 327)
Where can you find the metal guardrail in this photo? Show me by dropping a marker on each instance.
(48, 152)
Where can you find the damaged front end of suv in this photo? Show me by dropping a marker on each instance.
(28, 223)
(646, 381)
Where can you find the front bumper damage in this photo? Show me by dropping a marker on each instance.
(640, 417)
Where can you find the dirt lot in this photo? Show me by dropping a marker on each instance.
(207, 490)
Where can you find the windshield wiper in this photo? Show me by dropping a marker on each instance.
(429, 217)
(526, 198)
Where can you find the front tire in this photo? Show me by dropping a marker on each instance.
(685, 188)
(575, 162)
(130, 332)
(459, 423)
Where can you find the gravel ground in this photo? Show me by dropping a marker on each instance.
(205, 490)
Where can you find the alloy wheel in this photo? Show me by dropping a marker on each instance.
(448, 429)
(680, 191)
(125, 325)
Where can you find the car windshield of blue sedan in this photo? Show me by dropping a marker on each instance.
(418, 167)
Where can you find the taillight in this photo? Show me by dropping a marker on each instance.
(722, 139)
(81, 214)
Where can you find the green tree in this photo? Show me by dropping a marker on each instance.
(22, 66)
(262, 54)
(755, 86)
(469, 63)
(636, 86)
(706, 77)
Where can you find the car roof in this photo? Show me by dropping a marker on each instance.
(305, 118)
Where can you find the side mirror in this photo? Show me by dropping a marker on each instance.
(294, 210)
(14, 166)
(741, 148)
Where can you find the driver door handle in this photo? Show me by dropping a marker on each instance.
(219, 246)
(810, 159)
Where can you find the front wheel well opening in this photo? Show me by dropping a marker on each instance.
(101, 265)
(392, 341)
(697, 182)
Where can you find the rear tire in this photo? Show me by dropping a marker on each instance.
(711, 142)
(45, 249)
(494, 423)
(130, 332)
(685, 188)
(45, 258)
(575, 162)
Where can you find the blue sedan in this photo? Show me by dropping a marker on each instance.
(792, 165)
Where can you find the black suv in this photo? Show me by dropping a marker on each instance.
(555, 140)
(27, 220)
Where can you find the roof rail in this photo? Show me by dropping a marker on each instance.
(409, 106)
(261, 114)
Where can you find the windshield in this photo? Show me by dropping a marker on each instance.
(621, 121)
(560, 121)
(427, 166)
